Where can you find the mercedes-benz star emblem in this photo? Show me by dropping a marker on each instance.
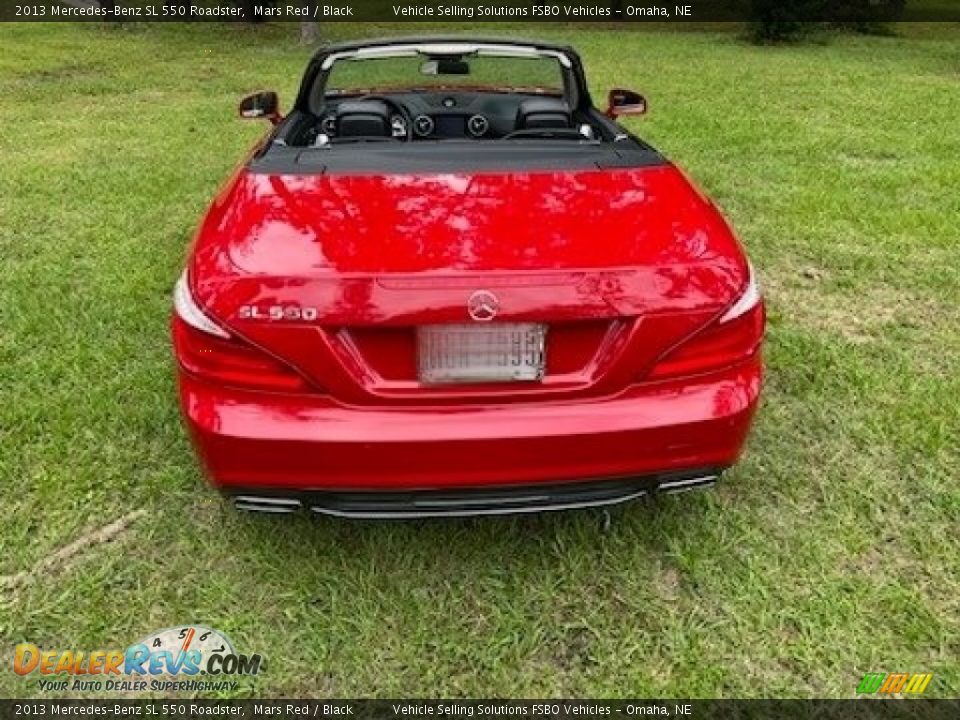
(483, 306)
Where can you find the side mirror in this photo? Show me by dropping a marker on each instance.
(263, 104)
(625, 102)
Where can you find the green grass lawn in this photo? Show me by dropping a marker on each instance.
(832, 550)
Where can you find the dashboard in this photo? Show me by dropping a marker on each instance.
(435, 115)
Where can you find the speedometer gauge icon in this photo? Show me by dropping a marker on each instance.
(183, 641)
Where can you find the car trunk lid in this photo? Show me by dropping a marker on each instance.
(334, 274)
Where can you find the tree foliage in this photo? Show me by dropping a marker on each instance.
(784, 20)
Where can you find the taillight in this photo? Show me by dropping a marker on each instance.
(206, 350)
(734, 337)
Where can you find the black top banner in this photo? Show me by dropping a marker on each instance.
(611, 11)
(173, 709)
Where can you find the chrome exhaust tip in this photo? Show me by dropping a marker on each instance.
(670, 487)
(256, 503)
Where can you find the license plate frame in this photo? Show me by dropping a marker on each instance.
(490, 353)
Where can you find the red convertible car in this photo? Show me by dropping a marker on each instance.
(444, 283)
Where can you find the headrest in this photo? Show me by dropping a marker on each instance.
(363, 118)
(543, 113)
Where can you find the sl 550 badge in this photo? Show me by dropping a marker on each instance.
(293, 313)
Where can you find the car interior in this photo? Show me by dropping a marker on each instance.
(417, 94)
(442, 115)
(446, 98)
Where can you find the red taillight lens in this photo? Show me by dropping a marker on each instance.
(231, 362)
(208, 351)
(734, 337)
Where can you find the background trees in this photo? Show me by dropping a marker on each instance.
(781, 20)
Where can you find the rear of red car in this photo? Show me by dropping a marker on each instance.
(396, 345)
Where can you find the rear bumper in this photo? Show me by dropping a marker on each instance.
(294, 446)
(501, 500)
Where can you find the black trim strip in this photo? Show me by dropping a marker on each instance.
(465, 502)
(386, 158)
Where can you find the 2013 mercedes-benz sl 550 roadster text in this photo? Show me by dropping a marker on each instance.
(446, 284)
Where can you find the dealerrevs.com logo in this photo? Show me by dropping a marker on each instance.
(186, 658)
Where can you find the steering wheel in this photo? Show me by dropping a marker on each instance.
(548, 133)
(400, 109)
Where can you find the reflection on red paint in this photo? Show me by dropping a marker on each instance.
(629, 269)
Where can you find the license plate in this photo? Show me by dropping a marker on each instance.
(500, 352)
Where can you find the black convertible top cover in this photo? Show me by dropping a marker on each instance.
(394, 158)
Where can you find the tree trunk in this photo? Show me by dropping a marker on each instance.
(309, 33)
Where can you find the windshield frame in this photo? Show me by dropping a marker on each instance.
(313, 89)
